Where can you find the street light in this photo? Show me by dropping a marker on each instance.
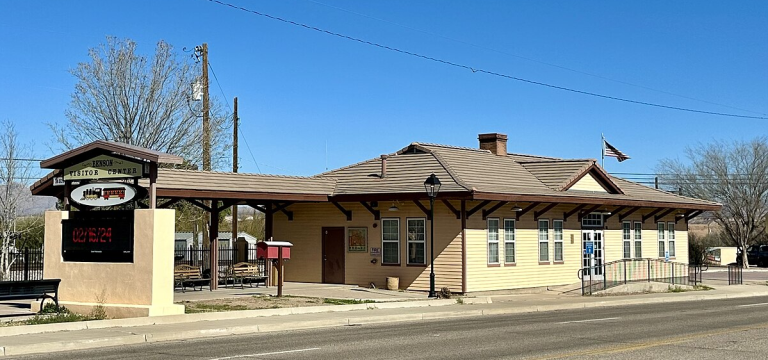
(432, 186)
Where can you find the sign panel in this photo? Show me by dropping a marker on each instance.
(103, 167)
(98, 236)
(357, 239)
(589, 248)
(58, 181)
(103, 194)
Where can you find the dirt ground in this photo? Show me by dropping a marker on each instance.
(260, 302)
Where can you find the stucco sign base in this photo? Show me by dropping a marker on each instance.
(141, 288)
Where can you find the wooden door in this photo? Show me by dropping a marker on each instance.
(333, 255)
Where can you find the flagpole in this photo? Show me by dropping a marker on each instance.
(602, 151)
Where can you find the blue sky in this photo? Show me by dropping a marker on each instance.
(299, 89)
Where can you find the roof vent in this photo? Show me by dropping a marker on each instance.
(494, 142)
(384, 166)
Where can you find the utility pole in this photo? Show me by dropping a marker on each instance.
(206, 112)
(209, 237)
(235, 120)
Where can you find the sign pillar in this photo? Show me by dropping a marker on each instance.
(152, 185)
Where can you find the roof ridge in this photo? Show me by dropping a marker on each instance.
(454, 175)
(556, 161)
(535, 156)
(326, 173)
(235, 173)
(452, 147)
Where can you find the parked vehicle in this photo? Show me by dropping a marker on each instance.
(756, 255)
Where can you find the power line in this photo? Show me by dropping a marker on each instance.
(20, 159)
(477, 70)
(230, 110)
(530, 59)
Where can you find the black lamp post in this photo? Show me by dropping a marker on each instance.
(432, 185)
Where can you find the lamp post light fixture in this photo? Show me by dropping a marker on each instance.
(432, 186)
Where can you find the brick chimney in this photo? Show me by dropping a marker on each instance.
(495, 142)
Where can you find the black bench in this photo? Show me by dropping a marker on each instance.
(31, 289)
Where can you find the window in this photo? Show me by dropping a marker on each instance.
(416, 241)
(592, 220)
(390, 241)
(671, 238)
(509, 241)
(626, 235)
(493, 241)
(661, 240)
(543, 240)
(557, 225)
(180, 247)
(638, 239)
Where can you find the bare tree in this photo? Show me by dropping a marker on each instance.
(126, 97)
(15, 175)
(735, 175)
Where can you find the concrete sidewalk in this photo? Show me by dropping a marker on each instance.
(30, 339)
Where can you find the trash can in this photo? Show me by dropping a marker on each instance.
(393, 283)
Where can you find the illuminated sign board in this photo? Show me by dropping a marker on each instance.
(98, 236)
(103, 167)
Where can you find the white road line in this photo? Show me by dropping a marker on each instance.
(589, 320)
(753, 305)
(265, 354)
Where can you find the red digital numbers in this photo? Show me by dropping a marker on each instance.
(92, 235)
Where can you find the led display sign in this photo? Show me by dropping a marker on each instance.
(98, 236)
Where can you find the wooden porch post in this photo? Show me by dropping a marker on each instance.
(268, 221)
(213, 235)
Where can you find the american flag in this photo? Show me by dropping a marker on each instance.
(609, 150)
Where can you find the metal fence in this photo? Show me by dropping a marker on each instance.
(26, 264)
(228, 257)
(627, 271)
(735, 275)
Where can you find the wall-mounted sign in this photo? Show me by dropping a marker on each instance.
(375, 251)
(98, 236)
(103, 194)
(357, 239)
(103, 167)
(58, 181)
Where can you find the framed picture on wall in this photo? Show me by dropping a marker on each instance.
(357, 239)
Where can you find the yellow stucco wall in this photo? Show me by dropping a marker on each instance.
(141, 288)
(306, 255)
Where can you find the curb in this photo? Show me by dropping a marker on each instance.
(152, 337)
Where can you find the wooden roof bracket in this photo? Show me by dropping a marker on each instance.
(527, 209)
(492, 209)
(168, 203)
(478, 207)
(685, 216)
(347, 213)
(651, 214)
(376, 213)
(198, 204)
(537, 214)
(423, 209)
(614, 212)
(588, 211)
(662, 215)
(453, 209)
(568, 214)
(624, 215)
(693, 215)
(281, 207)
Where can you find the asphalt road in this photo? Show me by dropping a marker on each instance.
(713, 329)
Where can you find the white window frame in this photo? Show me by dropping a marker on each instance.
(409, 241)
(399, 260)
(592, 220)
(492, 241)
(638, 240)
(509, 239)
(626, 236)
(543, 239)
(660, 230)
(557, 241)
(671, 239)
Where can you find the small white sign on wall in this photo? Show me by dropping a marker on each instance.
(375, 251)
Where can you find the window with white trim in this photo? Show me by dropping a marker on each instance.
(493, 241)
(543, 240)
(390, 241)
(416, 240)
(661, 239)
(592, 220)
(509, 241)
(557, 226)
(671, 238)
(638, 240)
(626, 235)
